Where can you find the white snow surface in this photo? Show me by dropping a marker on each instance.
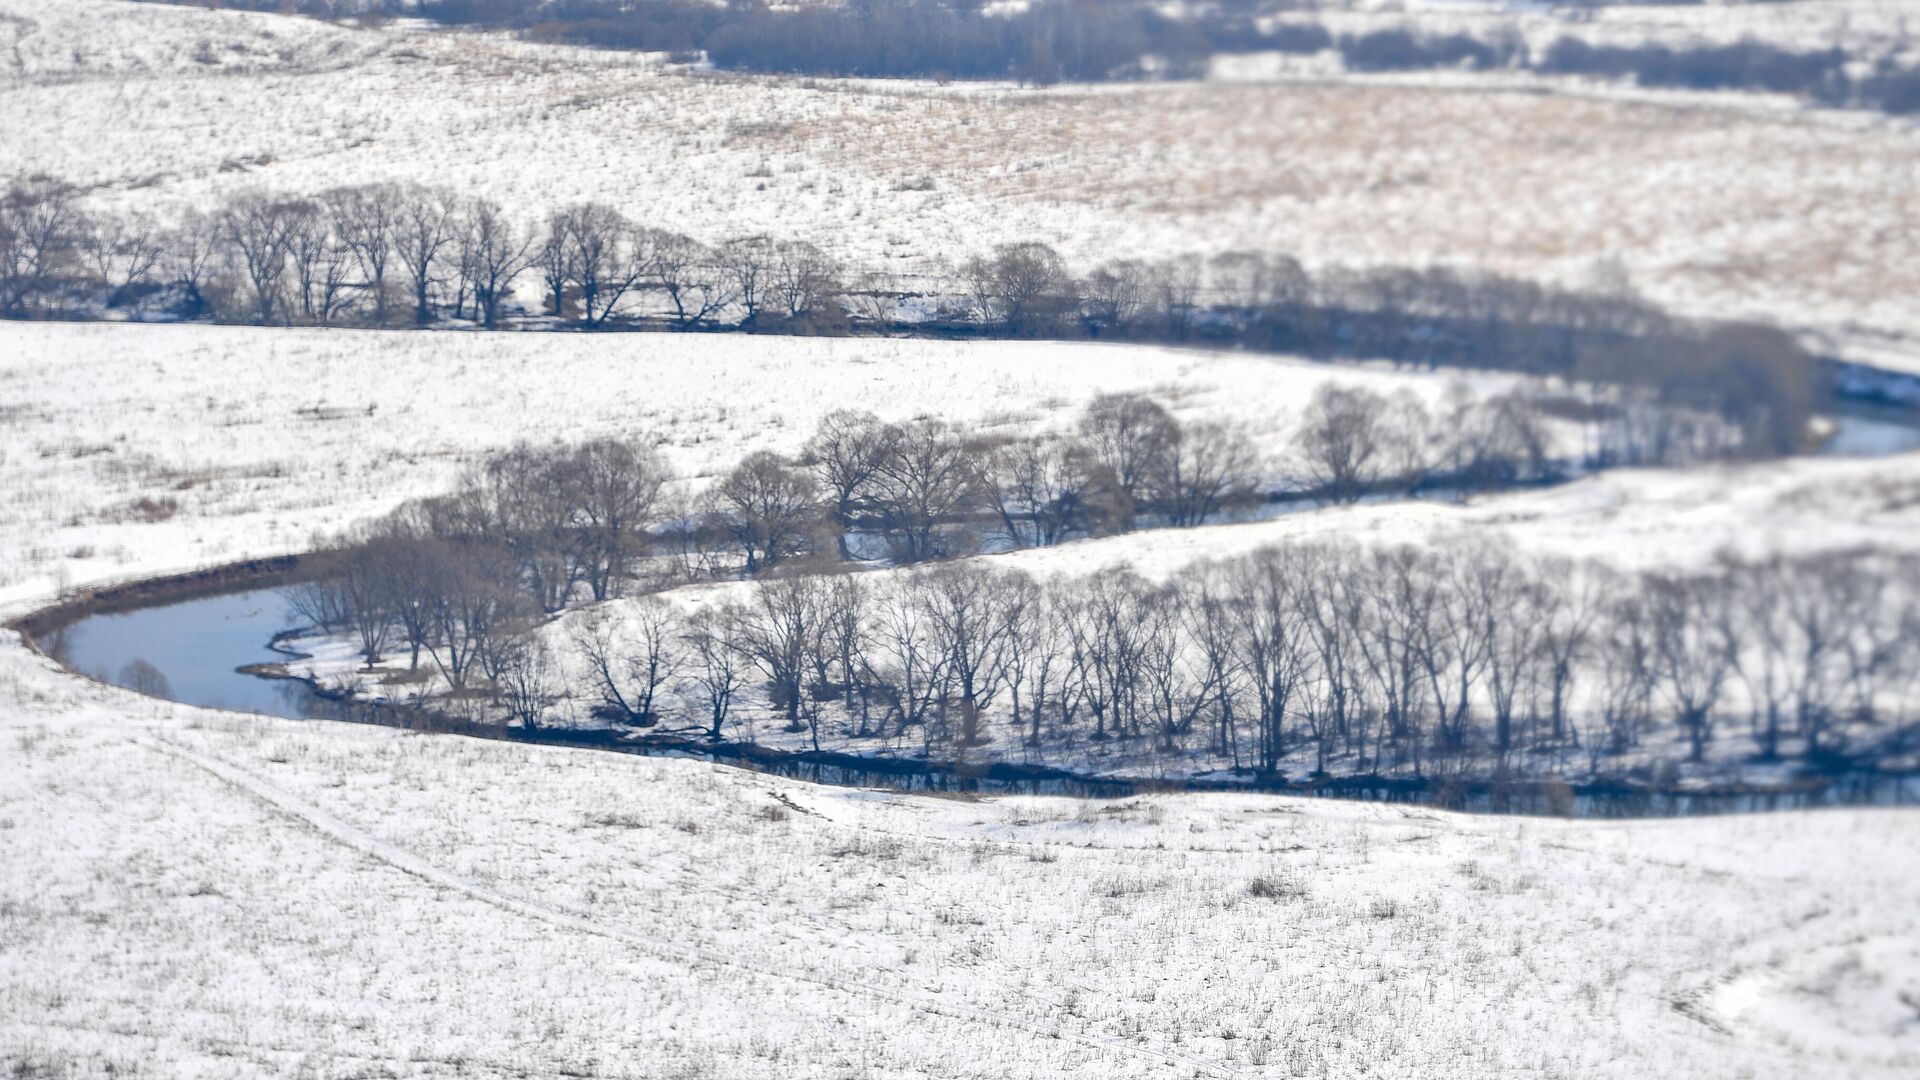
(1715, 204)
(131, 450)
(191, 893)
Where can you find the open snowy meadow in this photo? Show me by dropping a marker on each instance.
(192, 892)
(134, 450)
(1724, 203)
(195, 893)
(233, 896)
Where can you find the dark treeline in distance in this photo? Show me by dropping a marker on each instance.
(1058, 40)
(390, 254)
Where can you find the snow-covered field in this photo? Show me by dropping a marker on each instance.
(133, 450)
(1711, 203)
(190, 893)
(199, 894)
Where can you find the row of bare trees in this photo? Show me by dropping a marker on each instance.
(1331, 658)
(532, 530)
(457, 580)
(1311, 658)
(1756, 380)
(381, 253)
(925, 489)
(377, 253)
(552, 526)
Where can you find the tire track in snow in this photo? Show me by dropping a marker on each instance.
(399, 858)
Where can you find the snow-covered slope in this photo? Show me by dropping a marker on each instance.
(132, 450)
(201, 894)
(1715, 204)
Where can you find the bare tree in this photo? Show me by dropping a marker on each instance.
(1394, 598)
(123, 250)
(554, 258)
(714, 668)
(1117, 294)
(1175, 291)
(193, 250)
(770, 507)
(472, 599)
(1209, 468)
(603, 254)
(632, 658)
(1024, 288)
(1038, 655)
(845, 454)
(1343, 439)
(845, 647)
(1515, 606)
(1572, 607)
(353, 591)
(911, 668)
(1866, 588)
(804, 282)
(926, 487)
(323, 265)
(967, 605)
(696, 282)
(40, 223)
(1130, 437)
(1040, 489)
(258, 228)
(1242, 284)
(614, 488)
(425, 226)
(777, 630)
(369, 220)
(1274, 643)
(1693, 649)
(752, 262)
(524, 680)
(493, 253)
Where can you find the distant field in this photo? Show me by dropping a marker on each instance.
(1715, 203)
(112, 436)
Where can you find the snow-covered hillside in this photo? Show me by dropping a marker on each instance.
(186, 892)
(124, 445)
(203, 894)
(1714, 204)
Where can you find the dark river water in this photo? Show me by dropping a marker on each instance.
(190, 651)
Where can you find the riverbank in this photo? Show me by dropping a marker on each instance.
(202, 892)
(302, 698)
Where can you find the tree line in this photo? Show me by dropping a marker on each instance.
(456, 580)
(1058, 40)
(1458, 658)
(1324, 658)
(1367, 659)
(386, 254)
(1823, 76)
(380, 254)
